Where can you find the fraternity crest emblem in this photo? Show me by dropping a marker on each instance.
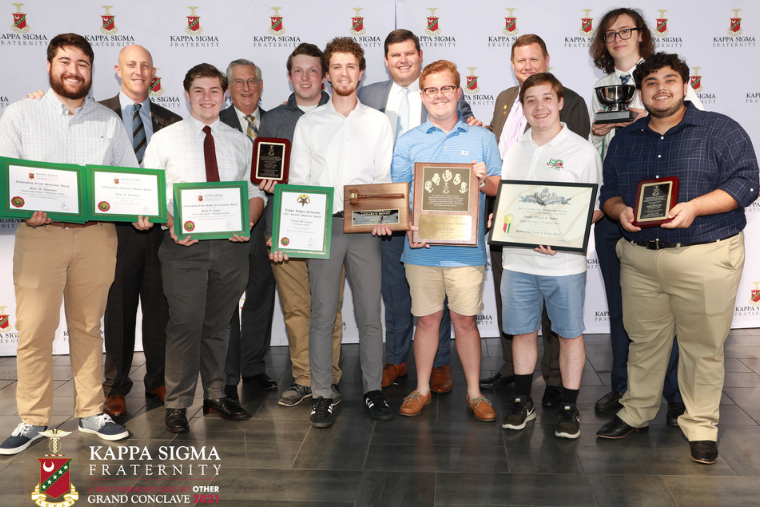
(555, 163)
(109, 21)
(277, 27)
(116, 181)
(31, 176)
(5, 321)
(432, 22)
(19, 20)
(54, 475)
(193, 23)
(472, 82)
(734, 30)
(754, 298)
(661, 30)
(104, 206)
(587, 24)
(696, 80)
(200, 198)
(511, 28)
(303, 200)
(357, 23)
(155, 86)
(17, 202)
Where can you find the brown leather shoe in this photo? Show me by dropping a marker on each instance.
(413, 404)
(440, 381)
(482, 409)
(393, 372)
(158, 392)
(115, 405)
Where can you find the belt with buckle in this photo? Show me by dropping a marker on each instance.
(71, 225)
(338, 214)
(659, 245)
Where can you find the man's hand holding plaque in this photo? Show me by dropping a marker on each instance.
(654, 200)
(271, 160)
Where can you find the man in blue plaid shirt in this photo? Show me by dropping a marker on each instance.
(681, 277)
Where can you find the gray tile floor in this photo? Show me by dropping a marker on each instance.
(442, 457)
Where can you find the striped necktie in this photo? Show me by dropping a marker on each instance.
(252, 131)
(139, 141)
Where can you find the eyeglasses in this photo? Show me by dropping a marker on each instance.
(624, 34)
(238, 83)
(446, 90)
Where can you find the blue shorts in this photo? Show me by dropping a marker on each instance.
(523, 297)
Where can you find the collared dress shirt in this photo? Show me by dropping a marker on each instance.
(128, 111)
(44, 130)
(244, 123)
(567, 158)
(393, 105)
(706, 151)
(461, 145)
(178, 150)
(332, 150)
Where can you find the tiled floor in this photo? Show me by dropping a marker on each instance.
(442, 457)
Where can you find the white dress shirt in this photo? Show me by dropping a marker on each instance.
(178, 150)
(244, 123)
(332, 150)
(393, 105)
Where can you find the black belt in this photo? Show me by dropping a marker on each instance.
(659, 245)
(338, 214)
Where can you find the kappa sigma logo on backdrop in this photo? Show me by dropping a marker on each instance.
(435, 36)
(736, 37)
(751, 305)
(583, 39)
(358, 30)
(277, 37)
(510, 32)
(5, 321)
(697, 84)
(108, 36)
(476, 96)
(157, 96)
(55, 480)
(194, 31)
(662, 36)
(8, 335)
(20, 31)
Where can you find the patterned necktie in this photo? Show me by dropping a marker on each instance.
(625, 78)
(209, 156)
(252, 131)
(138, 134)
(402, 124)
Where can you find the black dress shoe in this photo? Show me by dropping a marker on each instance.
(231, 392)
(675, 410)
(609, 402)
(617, 428)
(704, 451)
(226, 408)
(262, 380)
(552, 396)
(498, 381)
(176, 420)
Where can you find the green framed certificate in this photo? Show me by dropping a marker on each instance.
(215, 210)
(56, 189)
(121, 194)
(302, 224)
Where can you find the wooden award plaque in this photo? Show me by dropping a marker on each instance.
(365, 206)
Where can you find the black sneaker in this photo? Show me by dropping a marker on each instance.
(568, 421)
(522, 412)
(378, 407)
(321, 412)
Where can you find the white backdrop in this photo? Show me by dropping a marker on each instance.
(715, 39)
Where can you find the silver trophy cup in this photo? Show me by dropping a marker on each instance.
(616, 99)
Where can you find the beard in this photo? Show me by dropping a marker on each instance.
(665, 113)
(344, 91)
(58, 86)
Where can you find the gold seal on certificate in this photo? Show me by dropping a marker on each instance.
(120, 194)
(271, 160)
(302, 221)
(365, 206)
(446, 204)
(654, 200)
(214, 210)
(532, 213)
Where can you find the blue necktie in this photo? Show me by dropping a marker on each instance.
(625, 78)
(139, 140)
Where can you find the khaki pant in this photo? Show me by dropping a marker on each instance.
(51, 264)
(292, 277)
(689, 292)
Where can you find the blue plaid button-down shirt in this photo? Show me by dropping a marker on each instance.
(706, 151)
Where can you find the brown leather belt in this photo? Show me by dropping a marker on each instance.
(71, 225)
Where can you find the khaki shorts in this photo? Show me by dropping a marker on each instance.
(430, 285)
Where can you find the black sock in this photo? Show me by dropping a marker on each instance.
(523, 384)
(569, 395)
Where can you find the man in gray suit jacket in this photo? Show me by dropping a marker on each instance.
(138, 271)
(529, 56)
(399, 98)
(249, 343)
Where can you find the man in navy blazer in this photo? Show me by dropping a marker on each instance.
(399, 98)
(245, 355)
